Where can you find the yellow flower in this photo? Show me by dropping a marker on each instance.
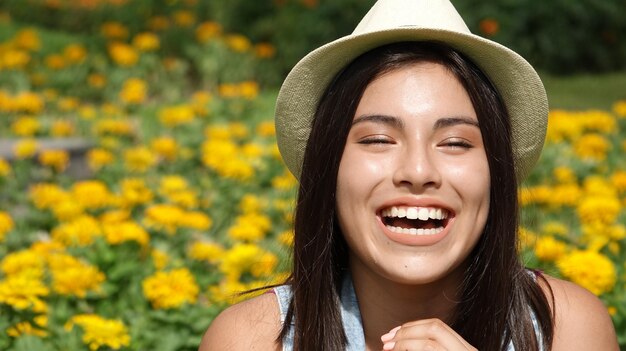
(92, 194)
(264, 50)
(134, 91)
(75, 53)
(592, 147)
(55, 61)
(176, 115)
(25, 328)
(286, 181)
(146, 41)
(286, 238)
(238, 42)
(598, 209)
(27, 39)
(598, 121)
(22, 292)
(562, 126)
(99, 332)
(27, 102)
(45, 195)
(68, 104)
(158, 23)
(163, 217)
(114, 30)
(61, 128)
(207, 31)
(195, 220)
(619, 108)
(25, 126)
(123, 54)
(206, 251)
(596, 185)
(25, 148)
(159, 258)
(618, 178)
(5, 168)
(243, 258)
(199, 102)
(184, 18)
(266, 129)
(14, 59)
(250, 227)
(73, 277)
(67, 209)
(548, 248)
(114, 126)
(6, 224)
(171, 289)
(166, 147)
(589, 269)
(564, 175)
(56, 159)
(117, 233)
(251, 204)
(80, 231)
(135, 192)
(98, 158)
(96, 80)
(139, 159)
(23, 263)
(225, 158)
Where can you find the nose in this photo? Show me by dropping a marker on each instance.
(416, 168)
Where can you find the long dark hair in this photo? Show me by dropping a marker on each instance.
(498, 295)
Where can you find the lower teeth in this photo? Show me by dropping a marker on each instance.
(415, 231)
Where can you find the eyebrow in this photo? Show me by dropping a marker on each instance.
(399, 124)
(382, 119)
(452, 121)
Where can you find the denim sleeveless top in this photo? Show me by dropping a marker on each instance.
(350, 315)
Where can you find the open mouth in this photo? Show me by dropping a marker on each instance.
(415, 220)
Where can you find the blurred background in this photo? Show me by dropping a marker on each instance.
(140, 183)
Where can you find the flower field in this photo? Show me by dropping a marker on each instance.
(177, 198)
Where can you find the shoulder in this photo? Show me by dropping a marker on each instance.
(253, 324)
(582, 322)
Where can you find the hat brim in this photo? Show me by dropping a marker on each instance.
(515, 79)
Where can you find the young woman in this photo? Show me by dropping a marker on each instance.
(408, 148)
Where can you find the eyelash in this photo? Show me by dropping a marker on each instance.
(459, 143)
(369, 141)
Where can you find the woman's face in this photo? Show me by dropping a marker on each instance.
(413, 182)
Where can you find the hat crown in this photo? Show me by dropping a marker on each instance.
(392, 14)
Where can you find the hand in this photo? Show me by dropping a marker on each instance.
(426, 334)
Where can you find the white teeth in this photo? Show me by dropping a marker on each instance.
(401, 212)
(421, 213)
(415, 231)
(412, 213)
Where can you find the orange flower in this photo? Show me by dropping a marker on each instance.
(489, 26)
(123, 54)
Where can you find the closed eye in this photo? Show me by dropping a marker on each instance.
(457, 143)
(376, 140)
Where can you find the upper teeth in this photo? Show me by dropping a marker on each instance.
(421, 213)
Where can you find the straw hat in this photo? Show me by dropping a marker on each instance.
(390, 21)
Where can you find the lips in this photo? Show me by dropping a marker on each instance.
(415, 225)
(413, 220)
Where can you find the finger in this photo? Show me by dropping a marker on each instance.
(432, 329)
(413, 345)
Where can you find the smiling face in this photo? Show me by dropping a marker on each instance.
(413, 182)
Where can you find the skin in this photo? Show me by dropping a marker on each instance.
(406, 289)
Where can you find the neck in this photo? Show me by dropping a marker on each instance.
(385, 304)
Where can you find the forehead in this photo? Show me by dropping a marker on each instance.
(423, 88)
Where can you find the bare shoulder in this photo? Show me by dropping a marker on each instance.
(582, 321)
(253, 324)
